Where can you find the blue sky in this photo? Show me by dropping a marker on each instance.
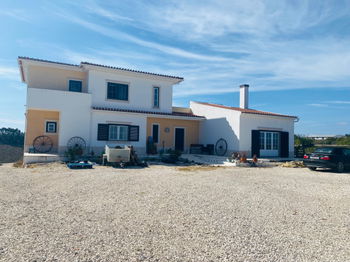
(295, 55)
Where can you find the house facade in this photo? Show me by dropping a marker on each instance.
(106, 105)
(103, 106)
(246, 130)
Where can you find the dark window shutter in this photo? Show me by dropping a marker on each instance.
(134, 133)
(102, 132)
(255, 143)
(284, 144)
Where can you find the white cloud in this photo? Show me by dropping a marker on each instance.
(235, 42)
(18, 14)
(9, 72)
(340, 102)
(318, 105)
(9, 121)
(118, 35)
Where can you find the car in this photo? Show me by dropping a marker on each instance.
(335, 158)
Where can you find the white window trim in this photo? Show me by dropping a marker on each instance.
(50, 133)
(272, 141)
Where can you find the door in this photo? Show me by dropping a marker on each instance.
(179, 138)
(269, 144)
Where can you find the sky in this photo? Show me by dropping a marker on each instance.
(295, 55)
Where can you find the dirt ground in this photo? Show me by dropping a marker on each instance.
(168, 213)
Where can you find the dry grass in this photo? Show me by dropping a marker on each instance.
(198, 168)
(18, 164)
(10, 154)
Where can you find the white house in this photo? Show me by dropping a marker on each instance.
(245, 130)
(104, 105)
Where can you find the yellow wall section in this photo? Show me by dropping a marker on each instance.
(53, 78)
(36, 126)
(191, 131)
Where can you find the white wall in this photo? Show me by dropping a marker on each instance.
(219, 123)
(251, 122)
(104, 117)
(140, 91)
(74, 111)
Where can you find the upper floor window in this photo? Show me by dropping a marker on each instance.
(75, 85)
(117, 91)
(155, 96)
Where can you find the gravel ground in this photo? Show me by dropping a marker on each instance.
(163, 213)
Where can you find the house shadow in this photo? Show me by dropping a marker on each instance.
(217, 128)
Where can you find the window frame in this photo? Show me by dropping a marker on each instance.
(271, 143)
(118, 132)
(77, 80)
(154, 97)
(120, 83)
(47, 123)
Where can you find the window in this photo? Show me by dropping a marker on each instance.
(117, 91)
(51, 127)
(118, 133)
(155, 133)
(75, 85)
(346, 152)
(275, 140)
(262, 140)
(155, 96)
(269, 140)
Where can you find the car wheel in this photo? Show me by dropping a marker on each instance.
(312, 168)
(340, 167)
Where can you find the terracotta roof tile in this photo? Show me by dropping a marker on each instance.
(145, 112)
(131, 70)
(246, 111)
(105, 66)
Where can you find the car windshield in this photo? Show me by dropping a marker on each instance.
(324, 150)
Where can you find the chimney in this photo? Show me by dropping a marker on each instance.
(243, 96)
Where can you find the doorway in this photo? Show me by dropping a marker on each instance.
(179, 138)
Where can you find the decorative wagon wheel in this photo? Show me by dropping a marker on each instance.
(221, 147)
(77, 144)
(42, 144)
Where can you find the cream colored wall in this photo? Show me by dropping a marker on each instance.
(36, 126)
(54, 78)
(191, 131)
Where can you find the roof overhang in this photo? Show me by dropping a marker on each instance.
(149, 114)
(25, 62)
(130, 72)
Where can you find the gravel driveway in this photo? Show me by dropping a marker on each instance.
(161, 213)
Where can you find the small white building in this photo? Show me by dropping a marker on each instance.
(246, 130)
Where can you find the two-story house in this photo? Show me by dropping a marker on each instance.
(103, 105)
(106, 105)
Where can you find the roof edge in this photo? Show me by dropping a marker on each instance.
(245, 111)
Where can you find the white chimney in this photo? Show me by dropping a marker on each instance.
(243, 96)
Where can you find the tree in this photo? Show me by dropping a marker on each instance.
(11, 136)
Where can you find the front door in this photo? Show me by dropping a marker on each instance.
(269, 144)
(179, 138)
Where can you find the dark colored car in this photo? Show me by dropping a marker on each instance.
(336, 158)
